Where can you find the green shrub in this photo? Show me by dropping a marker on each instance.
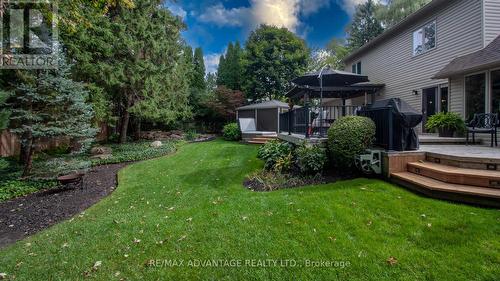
(232, 132)
(14, 188)
(284, 163)
(190, 135)
(311, 159)
(348, 137)
(272, 151)
(449, 121)
(54, 167)
(137, 151)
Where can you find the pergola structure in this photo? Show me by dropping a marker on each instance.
(327, 84)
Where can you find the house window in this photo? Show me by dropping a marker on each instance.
(495, 91)
(424, 38)
(356, 68)
(475, 95)
(444, 99)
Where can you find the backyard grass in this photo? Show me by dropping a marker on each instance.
(192, 206)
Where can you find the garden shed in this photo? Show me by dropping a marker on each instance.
(261, 117)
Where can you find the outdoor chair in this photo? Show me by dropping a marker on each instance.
(485, 123)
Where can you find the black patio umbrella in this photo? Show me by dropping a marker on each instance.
(331, 78)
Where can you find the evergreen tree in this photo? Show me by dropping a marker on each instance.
(50, 104)
(133, 56)
(231, 67)
(364, 27)
(397, 10)
(273, 57)
(199, 70)
(4, 112)
(222, 71)
(150, 70)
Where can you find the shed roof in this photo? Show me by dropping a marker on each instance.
(488, 57)
(265, 105)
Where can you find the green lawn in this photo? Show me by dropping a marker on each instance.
(195, 204)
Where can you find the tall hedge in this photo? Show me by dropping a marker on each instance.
(349, 137)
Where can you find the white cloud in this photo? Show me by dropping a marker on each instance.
(211, 62)
(350, 5)
(283, 13)
(221, 16)
(177, 10)
(309, 7)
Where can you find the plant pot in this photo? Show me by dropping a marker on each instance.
(446, 132)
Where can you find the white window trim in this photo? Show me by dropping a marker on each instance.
(413, 39)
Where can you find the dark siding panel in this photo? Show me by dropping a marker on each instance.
(267, 120)
(246, 114)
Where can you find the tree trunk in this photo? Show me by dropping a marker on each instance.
(29, 157)
(125, 119)
(124, 128)
(137, 129)
(26, 143)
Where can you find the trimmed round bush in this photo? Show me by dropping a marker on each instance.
(310, 159)
(231, 132)
(349, 137)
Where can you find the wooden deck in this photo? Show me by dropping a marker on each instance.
(469, 174)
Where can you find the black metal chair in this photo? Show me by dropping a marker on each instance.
(485, 123)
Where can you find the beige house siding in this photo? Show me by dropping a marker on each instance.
(459, 32)
(491, 20)
(457, 99)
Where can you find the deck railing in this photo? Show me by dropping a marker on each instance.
(315, 121)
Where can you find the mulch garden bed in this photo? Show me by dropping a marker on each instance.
(24, 216)
(268, 181)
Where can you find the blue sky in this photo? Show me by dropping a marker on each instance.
(212, 24)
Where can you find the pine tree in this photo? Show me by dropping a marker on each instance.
(222, 71)
(396, 10)
(50, 104)
(199, 70)
(4, 112)
(365, 26)
(133, 56)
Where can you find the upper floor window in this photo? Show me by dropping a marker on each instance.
(424, 38)
(356, 68)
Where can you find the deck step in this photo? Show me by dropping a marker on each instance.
(256, 142)
(456, 175)
(431, 185)
(476, 163)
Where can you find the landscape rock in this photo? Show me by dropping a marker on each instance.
(156, 144)
(101, 150)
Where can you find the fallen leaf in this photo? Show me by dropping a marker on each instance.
(65, 245)
(369, 223)
(182, 237)
(137, 240)
(429, 225)
(244, 218)
(332, 238)
(3, 275)
(392, 261)
(97, 264)
(189, 219)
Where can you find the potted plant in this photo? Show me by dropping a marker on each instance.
(446, 124)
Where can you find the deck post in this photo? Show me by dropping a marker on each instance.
(290, 121)
(306, 99)
(343, 107)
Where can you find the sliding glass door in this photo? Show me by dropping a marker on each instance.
(475, 95)
(495, 91)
